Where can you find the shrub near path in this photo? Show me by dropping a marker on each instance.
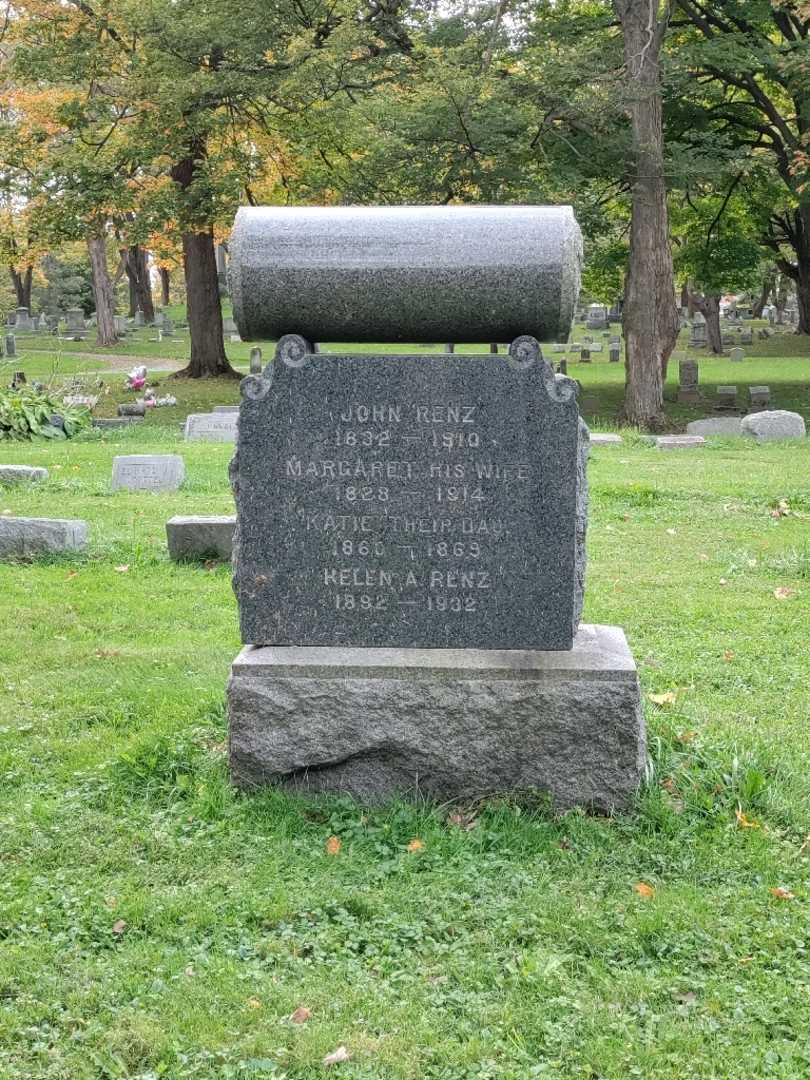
(156, 924)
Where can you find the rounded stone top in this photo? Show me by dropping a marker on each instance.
(405, 273)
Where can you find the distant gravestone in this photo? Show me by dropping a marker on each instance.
(606, 438)
(715, 425)
(736, 356)
(22, 474)
(132, 409)
(688, 385)
(615, 353)
(75, 320)
(115, 421)
(776, 424)
(23, 320)
(726, 397)
(679, 442)
(585, 355)
(139, 318)
(148, 472)
(226, 409)
(597, 317)
(759, 398)
(255, 361)
(697, 331)
(192, 538)
(88, 401)
(23, 538)
(747, 336)
(212, 427)
(229, 326)
(121, 324)
(11, 345)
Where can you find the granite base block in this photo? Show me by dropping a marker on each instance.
(442, 723)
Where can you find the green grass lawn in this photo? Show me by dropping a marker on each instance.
(156, 924)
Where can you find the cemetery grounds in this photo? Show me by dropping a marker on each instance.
(157, 924)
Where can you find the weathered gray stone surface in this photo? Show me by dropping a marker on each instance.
(456, 723)
(715, 425)
(22, 474)
(405, 273)
(226, 409)
(116, 421)
(413, 501)
(200, 537)
(774, 424)
(23, 537)
(679, 442)
(148, 472)
(605, 438)
(212, 427)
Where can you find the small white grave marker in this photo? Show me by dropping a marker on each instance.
(148, 472)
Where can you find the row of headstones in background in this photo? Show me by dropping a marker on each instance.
(189, 538)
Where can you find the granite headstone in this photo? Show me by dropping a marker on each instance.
(417, 501)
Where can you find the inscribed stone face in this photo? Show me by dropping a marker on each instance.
(148, 472)
(433, 501)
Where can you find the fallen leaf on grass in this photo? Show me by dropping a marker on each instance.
(672, 532)
(119, 926)
(686, 736)
(782, 893)
(462, 820)
(783, 593)
(72, 574)
(703, 556)
(253, 1003)
(744, 822)
(804, 846)
(645, 891)
(301, 1015)
(416, 844)
(723, 581)
(728, 655)
(105, 654)
(335, 1058)
(333, 845)
(124, 569)
(687, 997)
(667, 698)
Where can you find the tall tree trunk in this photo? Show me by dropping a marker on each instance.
(204, 310)
(203, 307)
(164, 286)
(650, 316)
(762, 300)
(800, 270)
(102, 288)
(22, 286)
(709, 307)
(133, 296)
(140, 285)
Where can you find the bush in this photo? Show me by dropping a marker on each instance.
(26, 412)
